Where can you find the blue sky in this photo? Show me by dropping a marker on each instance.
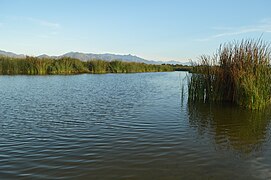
(152, 29)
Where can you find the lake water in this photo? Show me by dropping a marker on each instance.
(125, 126)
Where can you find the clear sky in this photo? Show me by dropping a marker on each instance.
(152, 29)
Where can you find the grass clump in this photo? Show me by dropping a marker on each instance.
(238, 73)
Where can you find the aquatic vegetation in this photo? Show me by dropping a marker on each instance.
(116, 66)
(179, 67)
(238, 73)
(41, 66)
(98, 66)
(66, 65)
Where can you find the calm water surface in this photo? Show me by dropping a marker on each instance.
(125, 126)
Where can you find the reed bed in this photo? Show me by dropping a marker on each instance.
(238, 73)
(65, 65)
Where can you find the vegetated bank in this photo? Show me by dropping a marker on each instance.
(66, 65)
(238, 73)
(179, 67)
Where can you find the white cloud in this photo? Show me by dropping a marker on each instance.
(266, 21)
(43, 36)
(49, 24)
(36, 21)
(44, 23)
(48, 35)
(264, 26)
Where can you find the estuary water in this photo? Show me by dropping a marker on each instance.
(125, 126)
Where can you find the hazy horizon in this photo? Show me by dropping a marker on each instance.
(153, 30)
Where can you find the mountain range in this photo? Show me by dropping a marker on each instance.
(90, 56)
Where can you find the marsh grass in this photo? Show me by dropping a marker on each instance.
(238, 73)
(66, 65)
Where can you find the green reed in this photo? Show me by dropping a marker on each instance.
(66, 65)
(238, 73)
(116, 66)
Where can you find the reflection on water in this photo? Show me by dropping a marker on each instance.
(230, 127)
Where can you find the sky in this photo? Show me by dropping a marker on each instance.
(163, 30)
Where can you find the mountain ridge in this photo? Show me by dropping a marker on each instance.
(91, 56)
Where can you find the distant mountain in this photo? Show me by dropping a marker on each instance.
(110, 57)
(10, 54)
(106, 57)
(178, 62)
(46, 56)
(91, 56)
(187, 63)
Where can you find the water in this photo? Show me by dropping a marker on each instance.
(125, 126)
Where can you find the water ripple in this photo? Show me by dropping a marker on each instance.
(118, 126)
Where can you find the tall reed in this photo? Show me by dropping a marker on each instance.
(66, 65)
(238, 73)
